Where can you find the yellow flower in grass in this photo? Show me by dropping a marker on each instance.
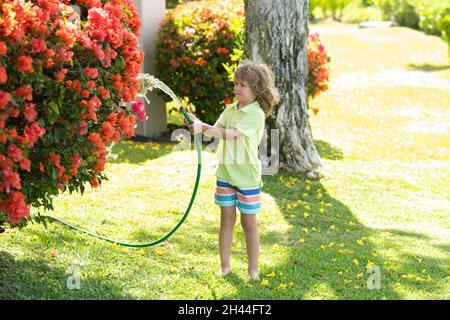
(341, 245)
(158, 252)
(332, 227)
(369, 264)
(307, 207)
(416, 278)
(345, 251)
(359, 275)
(305, 230)
(301, 240)
(323, 247)
(360, 242)
(305, 195)
(271, 275)
(331, 244)
(356, 262)
(306, 214)
(351, 223)
(264, 282)
(307, 188)
(282, 286)
(321, 210)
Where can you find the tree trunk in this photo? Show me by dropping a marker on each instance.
(276, 33)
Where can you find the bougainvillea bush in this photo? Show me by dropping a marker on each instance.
(199, 46)
(68, 79)
(318, 66)
(194, 41)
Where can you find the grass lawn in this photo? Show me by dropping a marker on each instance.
(383, 135)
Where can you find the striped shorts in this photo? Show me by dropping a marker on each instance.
(248, 200)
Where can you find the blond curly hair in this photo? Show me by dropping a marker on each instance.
(261, 81)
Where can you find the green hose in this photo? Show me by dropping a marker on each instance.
(197, 139)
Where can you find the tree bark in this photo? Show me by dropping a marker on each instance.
(276, 33)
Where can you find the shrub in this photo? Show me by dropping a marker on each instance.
(318, 66)
(435, 18)
(333, 7)
(66, 92)
(403, 12)
(430, 16)
(195, 41)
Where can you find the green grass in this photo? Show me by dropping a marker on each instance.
(383, 201)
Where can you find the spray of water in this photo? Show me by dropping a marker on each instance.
(148, 82)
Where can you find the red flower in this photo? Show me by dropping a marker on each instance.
(3, 48)
(30, 112)
(25, 164)
(5, 97)
(15, 153)
(25, 92)
(83, 128)
(91, 72)
(222, 50)
(61, 74)
(3, 75)
(10, 180)
(104, 92)
(107, 129)
(38, 45)
(16, 207)
(94, 182)
(25, 64)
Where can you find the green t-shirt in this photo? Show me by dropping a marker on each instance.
(239, 164)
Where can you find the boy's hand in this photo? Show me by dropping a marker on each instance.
(196, 126)
(192, 117)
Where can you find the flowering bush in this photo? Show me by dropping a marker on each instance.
(201, 43)
(318, 66)
(67, 85)
(195, 41)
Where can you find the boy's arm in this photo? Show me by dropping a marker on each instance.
(216, 131)
(219, 131)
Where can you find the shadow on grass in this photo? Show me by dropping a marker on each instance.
(334, 254)
(35, 279)
(428, 67)
(327, 151)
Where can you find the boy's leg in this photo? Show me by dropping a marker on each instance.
(248, 222)
(227, 221)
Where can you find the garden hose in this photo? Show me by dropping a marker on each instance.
(198, 143)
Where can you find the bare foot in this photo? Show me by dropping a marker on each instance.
(253, 275)
(225, 270)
